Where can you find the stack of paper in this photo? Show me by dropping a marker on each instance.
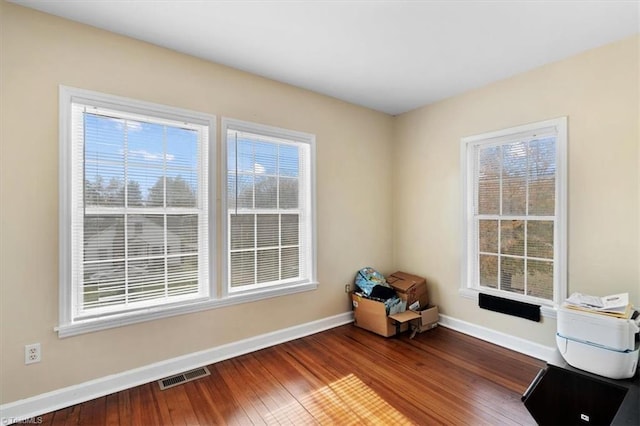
(616, 305)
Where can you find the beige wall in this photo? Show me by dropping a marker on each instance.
(414, 224)
(599, 92)
(40, 52)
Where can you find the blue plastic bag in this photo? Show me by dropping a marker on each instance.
(367, 278)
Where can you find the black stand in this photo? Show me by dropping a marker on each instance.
(563, 395)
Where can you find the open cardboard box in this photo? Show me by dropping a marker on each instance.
(372, 315)
(428, 318)
(410, 288)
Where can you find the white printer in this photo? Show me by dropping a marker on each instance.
(597, 343)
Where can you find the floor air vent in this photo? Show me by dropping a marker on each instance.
(181, 378)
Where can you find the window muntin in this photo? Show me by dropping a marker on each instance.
(137, 196)
(515, 212)
(269, 207)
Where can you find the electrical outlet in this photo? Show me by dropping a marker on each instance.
(32, 353)
(347, 288)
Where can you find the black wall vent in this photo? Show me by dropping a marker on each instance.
(509, 307)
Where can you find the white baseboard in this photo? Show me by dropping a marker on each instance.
(50, 401)
(508, 341)
(47, 402)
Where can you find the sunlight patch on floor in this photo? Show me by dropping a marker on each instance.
(346, 401)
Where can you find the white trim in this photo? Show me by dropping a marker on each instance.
(562, 227)
(513, 343)
(70, 322)
(64, 205)
(138, 107)
(558, 127)
(76, 394)
(515, 133)
(88, 326)
(279, 133)
(263, 129)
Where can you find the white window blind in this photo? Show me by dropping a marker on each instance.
(269, 208)
(139, 199)
(515, 213)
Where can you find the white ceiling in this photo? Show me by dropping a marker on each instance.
(391, 56)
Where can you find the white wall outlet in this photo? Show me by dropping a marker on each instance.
(32, 353)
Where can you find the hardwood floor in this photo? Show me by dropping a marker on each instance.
(341, 376)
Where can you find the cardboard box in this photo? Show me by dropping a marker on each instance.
(428, 318)
(372, 315)
(410, 288)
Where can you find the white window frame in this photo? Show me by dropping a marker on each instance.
(69, 322)
(469, 285)
(257, 292)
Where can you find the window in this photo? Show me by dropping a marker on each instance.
(269, 208)
(134, 209)
(515, 213)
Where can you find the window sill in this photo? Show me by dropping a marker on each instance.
(545, 311)
(117, 320)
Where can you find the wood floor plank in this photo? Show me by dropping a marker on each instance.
(124, 407)
(342, 376)
(222, 397)
(44, 420)
(302, 384)
(112, 414)
(144, 410)
(284, 408)
(246, 397)
(262, 395)
(177, 403)
(63, 417)
(93, 412)
(158, 399)
(203, 404)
